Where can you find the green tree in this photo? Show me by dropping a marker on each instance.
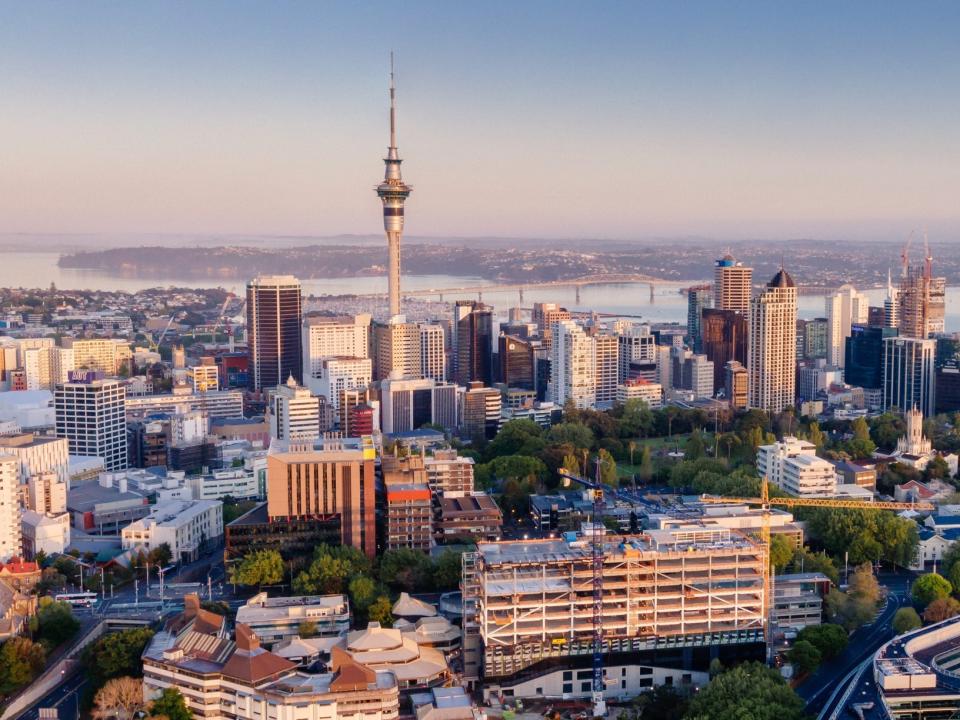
(260, 567)
(21, 661)
(329, 570)
(816, 435)
(806, 561)
(571, 464)
(575, 434)
(516, 437)
(941, 609)
(750, 691)
(930, 587)
(830, 640)
(636, 420)
(936, 469)
(362, 591)
(781, 552)
(860, 446)
(381, 611)
(662, 703)
(55, 622)
(804, 656)
(448, 570)
(608, 468)
(518, 467)
(170, 704)
(905, 620)
(161, 555)
(646, 465)
(695, 447)
(406, 569)
(116, 655)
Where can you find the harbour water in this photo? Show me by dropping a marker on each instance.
(39, 269)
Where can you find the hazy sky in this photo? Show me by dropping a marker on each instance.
(616, 120)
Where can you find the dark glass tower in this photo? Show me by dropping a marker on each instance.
(274, 317)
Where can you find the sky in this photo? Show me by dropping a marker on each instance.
(634, 120)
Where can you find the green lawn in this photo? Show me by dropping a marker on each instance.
(659, 449)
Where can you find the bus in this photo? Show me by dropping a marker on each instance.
(80, 599)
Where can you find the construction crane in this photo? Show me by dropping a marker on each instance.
(927, 259)
(766, 502)
(220, 318)
(905, 255)
(596, 489)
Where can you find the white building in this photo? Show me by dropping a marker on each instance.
(9, 507)
(186, 527)
(650, 393)
(408, 404)
(341, 373)
(239, 483)
(637, 345)
(433, 354)
(698, 376)
(204, 378)
(793, 465)
(294, 412)
(772, 348)
(277, 619)
(38, 454)
(325, 337)
(46, 493)
(573, 374)
(213, 403)
(606, 369)
(28, 409)
(92, 417)
(844, 308)
(44, 532)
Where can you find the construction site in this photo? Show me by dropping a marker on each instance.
(671, 601)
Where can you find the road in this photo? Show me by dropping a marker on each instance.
(818, 689)
(65, 697)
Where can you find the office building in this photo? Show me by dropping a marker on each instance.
(204, 377)
(448, 472)
(812, 338)
(294, 413)
(481, 411)
(637, 389)
(606, 350)
(409, 516)
(573, 375)
(97, 354)
(397, 350)
(324, 479)
(638, 349)
(473, 343)
(188, 527)
(723, 338)
(406, 405)
(274, 330)
(104, 507)
(698, 376)
(908, 373)
(793, 465)
(325, 337)
(798, 601)
(517, 357)
(844, 308)
(772, 355)
(213, 403)
(528, 608)
(813, 381)
(544, 316)
(465, 517)
(46, 493)
(433, 351)
(44, 532)
(732, 285)
(948, 389)
(737, 385)
(9, 508)
(698, 298)
(92, 417)
(224, 679)
(276, 619)
(339, 374)
(863, 363)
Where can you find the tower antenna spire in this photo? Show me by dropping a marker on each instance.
(393, 111)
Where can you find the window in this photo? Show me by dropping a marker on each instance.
(567, 688)
(668, 680)
(585, 687)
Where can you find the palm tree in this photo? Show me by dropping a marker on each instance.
(632, 446)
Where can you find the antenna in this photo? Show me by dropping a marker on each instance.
(393, 107)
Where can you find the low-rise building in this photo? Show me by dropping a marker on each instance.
(793, 465)
(224, 679)
(409, 516)
(387, 649)
(638, 389)
(104, 509)
(186, 527)
(278, 619)
(44, 532)
(467, 517)
(798, 601)
(447, 471)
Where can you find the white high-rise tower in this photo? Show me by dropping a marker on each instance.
(393, 192)
(772, 354)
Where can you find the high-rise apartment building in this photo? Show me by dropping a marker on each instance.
(294, 413)
(205, 377)
(397, 350)
(321, 480)
(10, 538)
(409, 511)
(772, 355)
(793, 465)
(724, 338)
(38, 454)
(921, 301)
(606, 363)
(573, 374)
(732, 285)
(473, 343)
(844, 308)
(908, 373)
(638, 352)
(92, 417)
(448, 472)
(100, 354)
(433, 351)
(274, 330)
(544, 316)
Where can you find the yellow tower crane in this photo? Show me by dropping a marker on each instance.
(766, 502)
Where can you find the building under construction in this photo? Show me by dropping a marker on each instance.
(673, 600)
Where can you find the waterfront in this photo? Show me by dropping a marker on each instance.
(39, 269)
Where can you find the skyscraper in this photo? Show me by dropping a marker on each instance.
(844, 308)
(772, 355)
(698, 299)
(274, 330)
(393, 192)
(732, 285)
(573, 372)
(294, 413)
(863, 364)
(724, 334)
(908, 373)
(397, 350)
(473, 335)
(92, 416)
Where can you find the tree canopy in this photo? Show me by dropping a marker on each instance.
(905, 620)
(116, 655)
(930, 587)
(260, 567)
(751, 691)
(171, 705)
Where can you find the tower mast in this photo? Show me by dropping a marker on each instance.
(393, 193)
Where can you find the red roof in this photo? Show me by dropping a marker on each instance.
(16, 566)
